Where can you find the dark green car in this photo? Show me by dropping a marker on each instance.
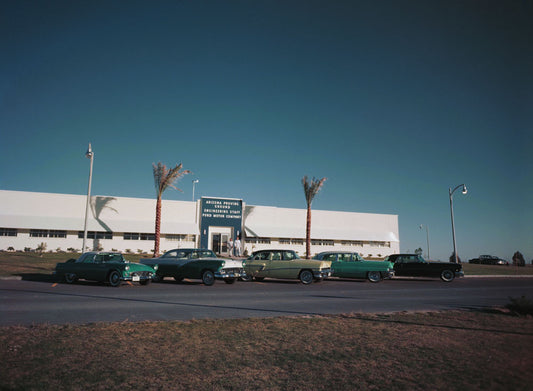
(195, 263)
(351, 265)
(107, 267)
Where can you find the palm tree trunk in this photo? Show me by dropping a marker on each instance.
(157, 226)
(308, 234)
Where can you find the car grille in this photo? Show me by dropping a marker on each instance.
(233, 270)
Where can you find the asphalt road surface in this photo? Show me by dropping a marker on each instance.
(36, 302)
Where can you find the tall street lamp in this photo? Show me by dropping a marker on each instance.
(194, 182)
(427, 236)
(90, 155)
(464, 191)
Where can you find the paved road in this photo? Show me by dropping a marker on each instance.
(34, 302)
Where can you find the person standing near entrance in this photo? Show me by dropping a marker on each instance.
(230, 246)
(237, 247)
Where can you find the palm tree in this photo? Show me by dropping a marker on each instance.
(163, 179)
(311, 188)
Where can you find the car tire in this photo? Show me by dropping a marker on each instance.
(259, 278)
(374, 276)
(157, 278)
(145, 282)
(113, 278)
(306, 277)
(208, 277)
(178, 279)
(70, 278)
(230, 280)
(447, 275)
(247, 278)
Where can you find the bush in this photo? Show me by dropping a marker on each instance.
(521, 306)
(518, 259)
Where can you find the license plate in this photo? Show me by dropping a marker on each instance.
(136, 278)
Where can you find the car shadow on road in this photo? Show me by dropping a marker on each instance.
(37, 277)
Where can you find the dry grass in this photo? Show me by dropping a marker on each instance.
(409, 351)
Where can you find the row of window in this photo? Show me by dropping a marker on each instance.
(51, 233)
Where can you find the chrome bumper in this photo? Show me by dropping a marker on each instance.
(319, 274)
(230, 273)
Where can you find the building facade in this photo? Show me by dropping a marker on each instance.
(28, 219)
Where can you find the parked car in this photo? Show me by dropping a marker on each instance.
(489, 260)
(110, 267)
(195, 263)
(284, 264)
(415, 266)
(351, 265)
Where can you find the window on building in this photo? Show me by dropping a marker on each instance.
(258, 240)
(8, 232)
(56, 233)
(284, 241)
(147, 236)
(180, 238)
(131, 236)
(38, 233)
(96, 235)
(297, 241)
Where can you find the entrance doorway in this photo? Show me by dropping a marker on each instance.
(218, 240)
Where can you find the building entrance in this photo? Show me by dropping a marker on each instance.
(218, 240)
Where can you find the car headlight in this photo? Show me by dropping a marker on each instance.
(127, 267)
(223, 264)
(155, 267)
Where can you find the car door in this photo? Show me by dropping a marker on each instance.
(277, 266)
(95, 268)
(413, 266)
(353, 265)
(259, 264)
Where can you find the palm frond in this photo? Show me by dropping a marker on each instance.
(311, 188)
(165, 178)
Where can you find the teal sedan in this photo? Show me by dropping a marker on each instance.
(352, 265)
(107, 267)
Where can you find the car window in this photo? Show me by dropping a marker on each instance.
(114, 258)
(276, 256)
(170, 254)
(262, 256)
(88, 258)
(207, 254)
(345, 257)
(289, 255)
(84, 257)
(330, 257)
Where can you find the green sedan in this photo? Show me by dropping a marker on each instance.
(351, 265)
(107, 267)
(284, 264)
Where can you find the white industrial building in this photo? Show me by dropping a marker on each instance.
(28, 219)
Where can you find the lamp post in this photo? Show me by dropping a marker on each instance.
(194, 182)
(90, 155)
(427, 235)
(464, 191)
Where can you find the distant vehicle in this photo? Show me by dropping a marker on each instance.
(107, 267)
(489, 260)
(284, 264)
(414, 265)
(351, 265)
(195, 263)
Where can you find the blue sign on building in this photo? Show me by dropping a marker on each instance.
(220, 220)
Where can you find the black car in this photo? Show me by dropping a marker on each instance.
(414, 265)
(489, 260)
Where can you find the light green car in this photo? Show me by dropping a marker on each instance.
(284, 264)
(346, 264)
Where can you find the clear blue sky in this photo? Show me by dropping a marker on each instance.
(393, 101)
